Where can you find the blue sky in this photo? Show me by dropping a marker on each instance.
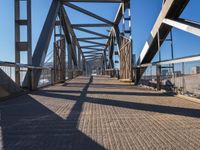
(144, 14)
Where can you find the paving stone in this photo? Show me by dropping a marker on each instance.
(98, 113)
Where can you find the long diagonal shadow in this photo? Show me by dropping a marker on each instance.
(113, 93)
(190, 112)
(27, 124)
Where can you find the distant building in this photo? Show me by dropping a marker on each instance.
(196, 70)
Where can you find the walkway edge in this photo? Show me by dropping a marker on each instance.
(192, 99)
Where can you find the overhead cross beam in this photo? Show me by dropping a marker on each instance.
(96, 52)
(87, 55)
(92, 32)
(91, 46)
(92, 54)
(91, 25)
(92, 42)
(95, 1)
(92, 38)
(88, 13)
(185, 25)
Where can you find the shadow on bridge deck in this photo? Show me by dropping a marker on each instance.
(86, 113)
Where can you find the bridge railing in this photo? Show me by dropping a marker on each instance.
(180, 75)
(46, 77)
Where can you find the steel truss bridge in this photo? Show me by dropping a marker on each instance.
(78, 94)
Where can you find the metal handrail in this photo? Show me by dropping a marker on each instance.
(12, 64)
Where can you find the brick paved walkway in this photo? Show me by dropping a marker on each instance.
(98, 113)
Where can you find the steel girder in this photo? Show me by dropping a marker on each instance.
(44, 40)
(185, 25)
(93, 48)
(21, 46)
(171, 9)
(95, 1)
(91, 25)
(92, 32)
(73, 35)
(45, 36)
(67, 30)
(92, 38)
(88, 13)
(115, 29)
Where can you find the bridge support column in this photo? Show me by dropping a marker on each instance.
(79, 59)
(70, 67)
(19, 44)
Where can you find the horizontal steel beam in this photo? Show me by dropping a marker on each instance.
(170, 9)
(88, 13)
(91, 25)
(93, 42)
(92, 52)
(92, 38)
(174, 61)
(93, 56)
(90, 46)
(94, 1)
(91, 32)
(187, 26)
(97, 49)
(93, 59)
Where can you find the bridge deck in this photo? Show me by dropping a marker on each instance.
(98, 113)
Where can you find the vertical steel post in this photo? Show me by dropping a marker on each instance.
(29, 32)
(19, 44)
(123, 17)
(70, 72)
(158, 67)
(79, 58)
(183, 78)
(59, 51)
(172, 54)
(130, 37)
(17, 40)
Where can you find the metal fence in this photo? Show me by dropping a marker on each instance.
(180, 77)
(46, 77)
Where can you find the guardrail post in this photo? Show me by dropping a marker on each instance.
(158, 76)
(52, 76)
(30, 79)
(33, 84)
